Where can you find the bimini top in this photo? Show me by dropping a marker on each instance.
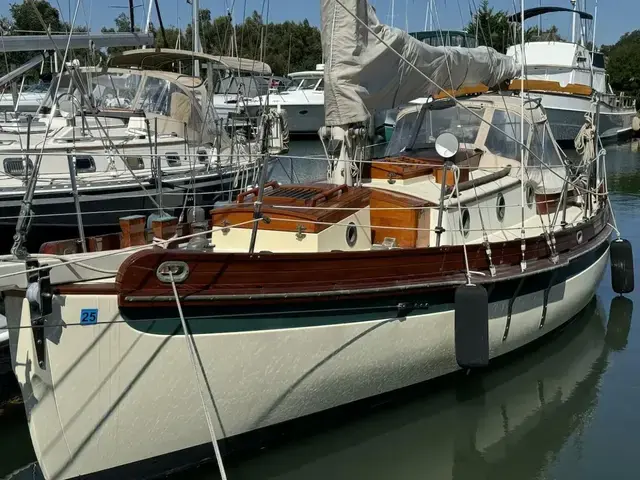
(161, 58)
(534, 12)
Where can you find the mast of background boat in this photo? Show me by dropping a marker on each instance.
(593, 40)
(196, 36)
(428, 18)
(523, 263)
(573, 22)
(393, 10)
(148, 22)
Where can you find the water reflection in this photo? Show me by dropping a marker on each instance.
(507, 422)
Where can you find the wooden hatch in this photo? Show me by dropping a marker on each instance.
(402, 217)
(290, 207)
(405, 167)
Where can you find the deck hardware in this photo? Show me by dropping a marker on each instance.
(405, 308)
(545, 302)
(179, 270)
(510, 310)
(225, 227)
(389, 242)
(300, 232)
(266, 219)
(487, 249)
(443, 191)
(39, 297)
(391, 178)
(579, 237)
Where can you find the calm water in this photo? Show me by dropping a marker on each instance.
(565, 409)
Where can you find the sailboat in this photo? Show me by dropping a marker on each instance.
(469, 239)
(142, 113)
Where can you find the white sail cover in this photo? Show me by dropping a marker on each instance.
(363, 75)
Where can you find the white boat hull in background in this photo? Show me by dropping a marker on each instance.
(566, 115)
(304, 119)
(27, 102)
(111, 395)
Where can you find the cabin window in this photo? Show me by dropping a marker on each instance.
(351, 234)
(320, 87)
(134, 163)
(503, 138)
(173, 159)
(500, 207)
(84, 163)
(543, 151)
(462, 122)
(115, 90)
(531, 196)
(466, 222)
(155, 96)
(598, 60)
(304, 84)
(15, 166)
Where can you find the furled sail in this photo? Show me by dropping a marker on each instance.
(363, 75)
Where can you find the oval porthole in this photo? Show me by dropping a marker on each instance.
(466, 222)
(352, 234)
(531, 196)
(500, 207)
(303, 112)
(579, 237)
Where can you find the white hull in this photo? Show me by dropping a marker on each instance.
(567, 116)
(111, 395)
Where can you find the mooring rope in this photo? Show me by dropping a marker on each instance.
(192, 356)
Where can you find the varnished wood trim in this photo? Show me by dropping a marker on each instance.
(241, 273)
(550, 86)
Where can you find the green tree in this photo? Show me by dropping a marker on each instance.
(623, 65)
(493, 29)
(24, 21)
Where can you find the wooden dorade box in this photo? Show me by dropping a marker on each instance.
(410, 166)
(396, 222)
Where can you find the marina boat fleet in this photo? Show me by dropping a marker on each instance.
(146, 126)
(468, 239)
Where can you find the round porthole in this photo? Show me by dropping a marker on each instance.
(579, 237)
(466, 222)
(500, 207)
(531, 196)
(352, 234)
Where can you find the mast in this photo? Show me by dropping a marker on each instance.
(573, 22)
(428, 18)
(196, 35)
(393, 10)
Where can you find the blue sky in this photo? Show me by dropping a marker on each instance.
(611, 23)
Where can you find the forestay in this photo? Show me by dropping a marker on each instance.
(363, 75)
